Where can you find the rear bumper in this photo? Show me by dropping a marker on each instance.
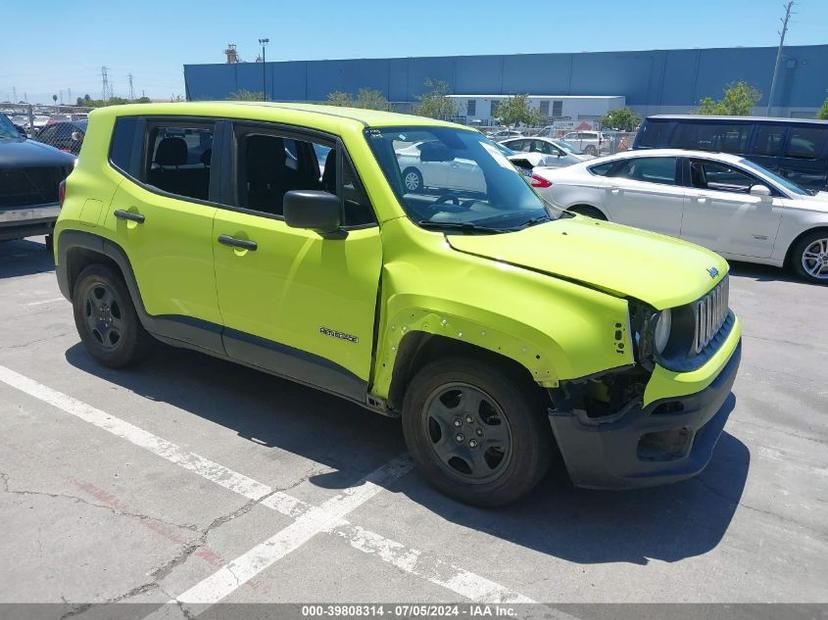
(668, 440)
(19, 222)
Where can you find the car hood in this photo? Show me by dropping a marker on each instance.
(623, 261)
(19, 153)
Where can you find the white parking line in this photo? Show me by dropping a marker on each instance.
(310, 520)
(221, 475)
(315, 521)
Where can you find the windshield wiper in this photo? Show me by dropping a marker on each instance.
(535, 220)
(462, 227)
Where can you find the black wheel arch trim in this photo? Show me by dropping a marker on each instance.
(188, 332)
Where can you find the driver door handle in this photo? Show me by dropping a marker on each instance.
(244, 244)
(615, 190)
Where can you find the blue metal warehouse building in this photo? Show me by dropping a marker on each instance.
(651, 81)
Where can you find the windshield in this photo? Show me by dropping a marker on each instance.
(569, 147)
(455, 180)
(788, 185)
(7, 130)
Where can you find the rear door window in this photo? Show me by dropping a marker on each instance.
(179, 158)
(660, 170)
(807, 142)
(768, 140)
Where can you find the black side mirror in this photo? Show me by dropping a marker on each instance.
(316, 210)
(21, 131)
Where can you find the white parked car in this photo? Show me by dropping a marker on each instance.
(423, 165)
(590, 142)
(557, 153)
(427, 165)
(724, 202)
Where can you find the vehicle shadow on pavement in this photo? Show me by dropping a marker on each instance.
(264, 409)
(24, 257)
(664, 523)
(762, 273)
(667, 523)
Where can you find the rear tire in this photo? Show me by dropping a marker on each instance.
(106, 320)
(588, 211)
(477, 431)
(809, 258)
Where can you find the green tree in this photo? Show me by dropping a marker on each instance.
(246, 95)
(515, 111)
(338, 98)
(435, 102)
(823, 111)
(371, 99)
(621, 119)
(738, 100)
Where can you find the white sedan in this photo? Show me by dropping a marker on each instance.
(724, 202)
(556, 153)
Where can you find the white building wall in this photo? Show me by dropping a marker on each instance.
(571, 108)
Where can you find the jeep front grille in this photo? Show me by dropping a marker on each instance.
(710, 313)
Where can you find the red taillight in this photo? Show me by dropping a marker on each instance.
(61, 192)
(536, 181)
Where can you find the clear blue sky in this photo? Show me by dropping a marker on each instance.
(50, 45)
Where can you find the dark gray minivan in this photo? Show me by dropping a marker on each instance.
(794, 148)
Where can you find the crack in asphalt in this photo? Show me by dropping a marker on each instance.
(75, 498)
(23, 345)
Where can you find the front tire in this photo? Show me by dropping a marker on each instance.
(106, 320)
(810, 257)
(476, 431)
(588, 211)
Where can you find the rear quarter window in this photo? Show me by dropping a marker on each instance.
(807, 142)
(655, 134)
(122, 148)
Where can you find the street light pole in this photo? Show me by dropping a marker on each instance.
(263, 43)
(782, 34)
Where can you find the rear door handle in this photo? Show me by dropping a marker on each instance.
(701, 199)
(245, 244)
(615, 190)
(122, 214)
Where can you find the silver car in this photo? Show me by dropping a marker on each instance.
(557, 153)
(724, 202)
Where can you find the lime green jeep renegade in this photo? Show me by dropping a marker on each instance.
(405, 265)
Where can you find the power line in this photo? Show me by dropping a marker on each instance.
(782, 34)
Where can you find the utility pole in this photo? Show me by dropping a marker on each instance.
(263, 43)
(131, 90)
(782, 34)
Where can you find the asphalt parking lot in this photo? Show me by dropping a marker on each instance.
(194, 479)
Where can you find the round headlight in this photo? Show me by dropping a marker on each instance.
(661, 333)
